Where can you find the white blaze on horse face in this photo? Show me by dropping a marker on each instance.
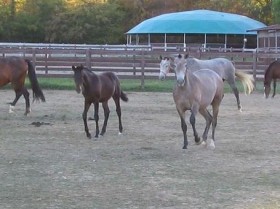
(164, 68)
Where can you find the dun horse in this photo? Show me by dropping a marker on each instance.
(195, 91)
(13, 70)
(271, 74)
(222, 66)
(98, 88)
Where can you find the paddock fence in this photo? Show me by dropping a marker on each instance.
(127, 61)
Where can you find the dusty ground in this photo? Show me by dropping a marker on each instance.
(56, 166)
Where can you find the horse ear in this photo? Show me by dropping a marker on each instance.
(186, 56)
(179, 56)
(73, 67)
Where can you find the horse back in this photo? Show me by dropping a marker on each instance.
(12, 69)
(274, 69)
(222, 66)
(101, 87)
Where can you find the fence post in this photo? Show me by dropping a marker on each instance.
(88, 64)
(134, 60)
(46, 61)
(255, 67)
(142, 70)
(34, 57)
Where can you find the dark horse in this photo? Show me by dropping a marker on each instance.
(271, 73)
(98, 88)
(13, 70)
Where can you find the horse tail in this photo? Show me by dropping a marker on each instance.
(124, 96)
(37, 92)
(247, 81)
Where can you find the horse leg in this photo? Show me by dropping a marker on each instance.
(96, 118)
(215, 107)
(208, 118)
(86, 108)
(236, 93)
(192, 121)
(12, 104)
(119, 113)
(215, 119)
(274, 87)
(184, 127)
(106, 117)
(27, 101)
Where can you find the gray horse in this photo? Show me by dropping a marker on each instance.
(222, 66)
(195, 91)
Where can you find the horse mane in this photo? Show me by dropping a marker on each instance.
(87, 69)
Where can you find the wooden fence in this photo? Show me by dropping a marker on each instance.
(128, 62)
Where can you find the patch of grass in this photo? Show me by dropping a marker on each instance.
(150, 85)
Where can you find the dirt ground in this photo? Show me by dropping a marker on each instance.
(47, 162)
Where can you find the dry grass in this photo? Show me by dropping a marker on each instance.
(56, 166)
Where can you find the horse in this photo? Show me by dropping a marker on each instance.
(98, 88)
(222, 66)
(195, 91)
(271, 73)
(13, 70)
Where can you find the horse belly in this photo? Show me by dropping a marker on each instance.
(4, 78)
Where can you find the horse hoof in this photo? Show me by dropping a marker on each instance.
(88, 136)
(184, 147)
(203, 143)
(211, 145)
(198, 142)
(11, 109)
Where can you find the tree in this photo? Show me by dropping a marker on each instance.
(88, 23)
(276, 11)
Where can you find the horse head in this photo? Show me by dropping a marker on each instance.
(180, 69)
(78, 77)
(165, 66)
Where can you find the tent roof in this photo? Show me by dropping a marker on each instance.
(197, 22)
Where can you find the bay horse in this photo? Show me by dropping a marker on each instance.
(98, 88)
(13, 70)
(195, 91)
(271, 74)
(222, 66)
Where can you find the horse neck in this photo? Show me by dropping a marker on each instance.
(268, 75)
(89, 76)
(190, 80)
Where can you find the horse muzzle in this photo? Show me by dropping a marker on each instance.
(180, 82)
(78, 89)
(161, 76)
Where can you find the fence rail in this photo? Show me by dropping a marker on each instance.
(128, 62)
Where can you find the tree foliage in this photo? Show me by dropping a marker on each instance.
(106, 21)
(276, 11)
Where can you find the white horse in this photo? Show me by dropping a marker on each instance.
(222, 66)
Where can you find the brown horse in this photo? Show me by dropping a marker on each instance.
(98, 88)
(271, 73)
(13, 70)
(195, 91)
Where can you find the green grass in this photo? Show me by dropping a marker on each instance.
(153, 85)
